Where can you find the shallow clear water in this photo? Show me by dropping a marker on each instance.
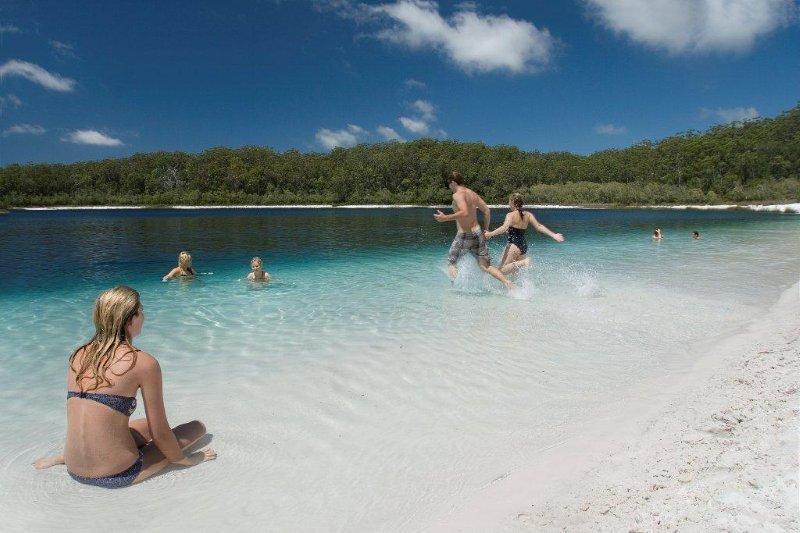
(359, 390)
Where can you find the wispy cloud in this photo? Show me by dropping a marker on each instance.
(609, 129)
(64, 50)
(414, 125)
(343, 138)
(24, 129)
(10, 100)
(420, 123)
(687, 26)
(9, 28)
(424, 108)
(92, 137)
(389, 134)
(36, 74)
(474, 42)
(411, 83)
(731, 114)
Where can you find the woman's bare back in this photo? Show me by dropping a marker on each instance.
(99, 441)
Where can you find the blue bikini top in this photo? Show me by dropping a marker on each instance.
(124, 404)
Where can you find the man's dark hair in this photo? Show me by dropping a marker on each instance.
(456, 176)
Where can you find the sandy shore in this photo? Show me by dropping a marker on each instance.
(713, 450)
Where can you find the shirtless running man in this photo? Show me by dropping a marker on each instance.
(469, 238)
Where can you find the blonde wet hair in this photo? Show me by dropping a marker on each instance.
(256, 258)
(185, 260)
(113, 309)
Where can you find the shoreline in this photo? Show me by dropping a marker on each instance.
(714, 448)
(793, 208)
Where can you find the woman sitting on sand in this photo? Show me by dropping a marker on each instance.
(257, 273)
(515, 255)
(104, 448)
(184, 268)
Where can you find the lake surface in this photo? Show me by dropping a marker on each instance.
(359, 390)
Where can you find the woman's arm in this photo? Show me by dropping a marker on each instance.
(153, 394)
(544, 230)
(171, 274)
(501, 229)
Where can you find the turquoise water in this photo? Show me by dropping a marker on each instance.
(360, 389)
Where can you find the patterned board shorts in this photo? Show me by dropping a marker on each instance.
(472, 242)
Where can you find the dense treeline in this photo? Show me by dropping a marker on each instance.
(754, 161)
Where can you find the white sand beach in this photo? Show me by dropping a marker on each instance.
(715, 450)
(779, 208)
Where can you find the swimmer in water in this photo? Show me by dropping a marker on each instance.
(696, 235)
(469, 236)
(657, 235)
(515, 256)
(257, 273)
(104, 446)
(184, 268)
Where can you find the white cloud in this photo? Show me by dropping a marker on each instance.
(36, 74)
(474, 42)
(411, 83)
(414, 125)
(685, 26)
(609, 129)
(343, 138)
(92, 137)
(424, 108)
(389, 134)
(8, 28)
(10, 100)
(732, 114)
(63, 49)
(24, 129)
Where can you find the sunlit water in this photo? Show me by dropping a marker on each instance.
(359, 390)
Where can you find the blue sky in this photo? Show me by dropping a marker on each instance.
(93, 79)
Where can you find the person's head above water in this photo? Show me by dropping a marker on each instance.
(185, 260)
(256, 263)
(455, 180)
(695, 235)
(118, 317)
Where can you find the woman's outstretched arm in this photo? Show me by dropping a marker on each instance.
(544, 230)
(171, 274)
(501, 229)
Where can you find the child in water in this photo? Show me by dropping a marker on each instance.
(258, 273)
(657, 235)
(184, 268)
(696, 235)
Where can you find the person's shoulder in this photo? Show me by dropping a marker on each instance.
(146, 362)
(251, 276)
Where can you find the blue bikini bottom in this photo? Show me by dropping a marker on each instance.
(115, 481)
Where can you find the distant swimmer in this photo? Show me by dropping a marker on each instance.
(257, 273)
(469, 238)
(515, 256)
(184, 268)
(104, 447)
(657, 235)
(696, 235)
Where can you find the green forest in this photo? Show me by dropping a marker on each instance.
(756, 161)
